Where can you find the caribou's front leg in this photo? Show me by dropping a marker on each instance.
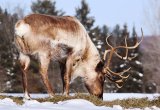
(63, 71)
(67, 75)
(25, 61)
(44, 61)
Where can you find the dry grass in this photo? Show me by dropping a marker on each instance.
(127, 103)
(18, 100)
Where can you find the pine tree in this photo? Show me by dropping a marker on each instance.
(102, 40)
(8, 53)
(46, 7)
(82, 13)
(116, 31)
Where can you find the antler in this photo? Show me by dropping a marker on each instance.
(109, 73)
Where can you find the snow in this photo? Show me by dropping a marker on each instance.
(121, 96)
(99, 46)
(138, 62)
(74, 104)
(122, 65)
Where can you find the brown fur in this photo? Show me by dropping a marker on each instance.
(47, 24)
(52, 37)
(21, 44)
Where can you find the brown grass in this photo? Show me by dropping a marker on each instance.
(126, 103)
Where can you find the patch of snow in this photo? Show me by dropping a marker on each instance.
(140, 74)
(121, 96)
(77, 104)
(138, 62)
(99, 46)
(74, 104)
(100, 42)
(122, 65)
(7, 101)
(117, 107)
(94, 39)
(134, 54)
(8, 82)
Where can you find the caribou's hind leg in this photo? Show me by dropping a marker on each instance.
(44, 64)
(24, 62)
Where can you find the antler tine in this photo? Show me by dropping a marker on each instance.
(137, 44)
(126, 54)
(112, 50)
(107, 69)
(119, 86)
(120, 73)
(127, 57)
(118, 82)
(121, 57)
(105, 54)
(107, 51)
(107, 40)
(130, 58)
(125, 47)
(132, 47)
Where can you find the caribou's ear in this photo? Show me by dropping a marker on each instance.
(99, 66)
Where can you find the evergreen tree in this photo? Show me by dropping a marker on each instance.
(82, 13)
(8, 53)
(134, 32)
(117, 31)
(102, 40)
(46, 7)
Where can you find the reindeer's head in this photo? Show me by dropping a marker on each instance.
(103, 68)
(95, 84)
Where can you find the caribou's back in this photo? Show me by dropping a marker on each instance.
(44, 31)
(49, 24)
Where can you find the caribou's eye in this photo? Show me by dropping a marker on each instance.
(74, 64)
(77, 60)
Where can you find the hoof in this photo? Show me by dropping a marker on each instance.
(27, 98)
(65, 94)
(51, 95)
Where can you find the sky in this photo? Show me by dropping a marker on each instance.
(105, 12)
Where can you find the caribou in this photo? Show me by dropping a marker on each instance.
(64, 39)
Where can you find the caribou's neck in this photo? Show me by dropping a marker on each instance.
(92, 53)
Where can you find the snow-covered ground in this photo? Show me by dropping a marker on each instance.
(74, 104)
